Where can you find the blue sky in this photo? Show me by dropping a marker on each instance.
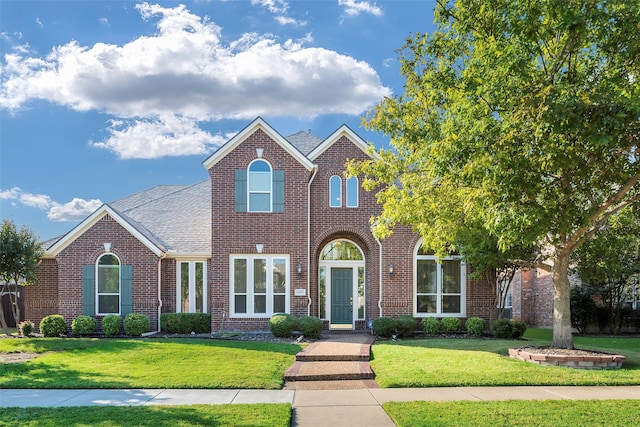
(102, 99)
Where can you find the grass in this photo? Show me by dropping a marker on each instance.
(146, 363)
(257, 415)
(552, 413)
(440, 362)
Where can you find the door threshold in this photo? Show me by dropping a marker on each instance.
(339, 326)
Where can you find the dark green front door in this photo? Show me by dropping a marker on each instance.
(341, 296)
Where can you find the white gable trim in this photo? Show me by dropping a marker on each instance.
(258, 123)
(343, 130)
(90, 221)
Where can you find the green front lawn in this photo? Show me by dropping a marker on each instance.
(257, 415)
(146, 363)
(440, 362)
(551, 413)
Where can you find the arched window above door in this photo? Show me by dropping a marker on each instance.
(341, 250)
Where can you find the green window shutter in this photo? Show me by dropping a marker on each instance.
(126, 293)
(88, 290)
(278, 191)
(241, 190)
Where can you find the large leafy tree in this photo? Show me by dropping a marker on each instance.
(522, 115)
(20, 253)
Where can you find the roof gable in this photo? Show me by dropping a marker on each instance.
(343, 130)
(91, 220)
(258, 123)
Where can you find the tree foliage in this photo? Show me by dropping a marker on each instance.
(609, 265)
(521, 115)
(20, 253)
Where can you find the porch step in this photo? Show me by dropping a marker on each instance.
(329, 371)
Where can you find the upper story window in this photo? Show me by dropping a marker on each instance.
(108, 284)
(259, 186)
(352, 192)
(335, 191)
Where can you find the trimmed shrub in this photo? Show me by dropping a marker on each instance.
(111, 324)
(282, 325)
(431, 325)
(26, 328)
(502, 328)
(136, 324)
(518, 328)
(475, 326)
(84, 325)
(185, 323)
(311, 327)
(450, 325)
(53, 325)
(406, 325)
(384, 326)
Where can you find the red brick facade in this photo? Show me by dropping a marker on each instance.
(299, 233)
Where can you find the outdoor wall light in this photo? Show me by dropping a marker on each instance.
(390, 267)
(299, 268)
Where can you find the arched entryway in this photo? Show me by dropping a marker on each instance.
(341, 270)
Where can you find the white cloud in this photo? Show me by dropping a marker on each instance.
(159, 87)
(169, 135)
(75, 210)
(72, 211)
(355, 7)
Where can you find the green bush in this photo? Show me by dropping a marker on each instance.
(136, 324)
(311, 327)
(583, 308)
(518, 328)
(185, 323)
(406, 325)
(26, 328)
(502, 328)
(53, 325)
(111, 324)
(475, 326)
(384, 326)
(450, 325)
(431, 325)
(84, 325)
(282, 325)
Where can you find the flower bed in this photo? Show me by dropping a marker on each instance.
(569, 358)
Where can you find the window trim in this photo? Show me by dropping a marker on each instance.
(335, 202)
(249, 293)
(192, 284)
(439, 282)
(269, 192)
(356, 192)
(97, 284)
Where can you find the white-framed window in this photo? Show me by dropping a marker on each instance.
(439, 285)
(259, 186)
(259, 285)
(192, 290)
(335, 191)
(108, 285)
(352, 192)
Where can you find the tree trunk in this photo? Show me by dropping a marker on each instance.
(562, 337)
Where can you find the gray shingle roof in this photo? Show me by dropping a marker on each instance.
(177, 217)
(304, 141)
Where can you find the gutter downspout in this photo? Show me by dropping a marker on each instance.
(379, 274)
(159, 294)
(313, 176)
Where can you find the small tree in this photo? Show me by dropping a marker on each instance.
(20, 253)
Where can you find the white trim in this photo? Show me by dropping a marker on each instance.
(332, 197)
(192, 284)
(343, 130)
(258, 123)
(439, 280)
(90, 221)
(250, 192)
(346, 191)
(269, 258)
(97, 284)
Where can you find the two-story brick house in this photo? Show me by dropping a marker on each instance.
(277, 227)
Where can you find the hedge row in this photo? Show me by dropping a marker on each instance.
(282, 325)
(55, 325)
